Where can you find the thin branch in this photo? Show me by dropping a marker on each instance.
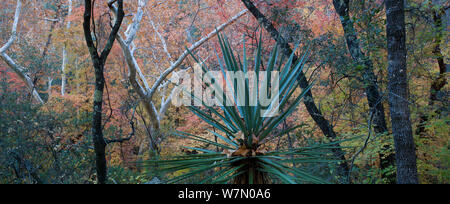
(65, 58)
(112, 36)
(163, 41)
(19, 70)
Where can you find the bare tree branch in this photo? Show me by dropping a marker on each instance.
(193, 47)
(14, 28)
(145, 92)
(19, 70)
(99, 64)
(163, 41)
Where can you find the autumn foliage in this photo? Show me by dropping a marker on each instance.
(54, 138)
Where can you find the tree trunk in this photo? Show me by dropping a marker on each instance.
(50, 33)
(19, 70)
(441, 80)
(99, 65)
(315, 113)
(65, 59)
(398, 93)
(371, 88)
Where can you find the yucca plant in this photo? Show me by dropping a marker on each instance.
(243, 130)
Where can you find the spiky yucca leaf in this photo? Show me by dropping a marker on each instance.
(243, 131)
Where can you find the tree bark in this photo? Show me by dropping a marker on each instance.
(438, 83)
(315, 113)
(145, 92)
(50, 33)
(19, 70)
(65, 59)
(99, 64)
(374, 97)
(398, 93)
